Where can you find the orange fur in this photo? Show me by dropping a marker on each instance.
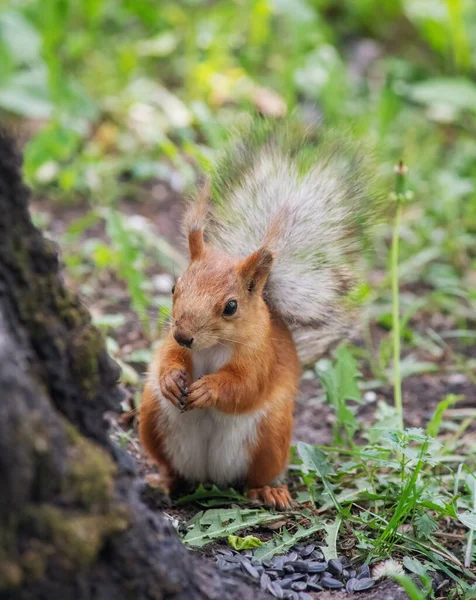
(262, 373)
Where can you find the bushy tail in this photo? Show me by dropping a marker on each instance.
(305, 195)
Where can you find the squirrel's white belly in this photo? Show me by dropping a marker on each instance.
(206, 444)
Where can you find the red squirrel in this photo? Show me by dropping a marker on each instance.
(267, 288)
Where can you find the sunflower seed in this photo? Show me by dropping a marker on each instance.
(331, 583)
(224, 552)
(278, 562)
(298, 576)
(290, 595)
(308, 550)
(316, 567)
(223, 565)
(275, 590)
(288, 569)
(300, 565)
(285, 583)
(314, 587)
(299, 586)
(304, 596)
(335, 566)
(364, 571)
(273, 574)
(317, 555)
(249, 569)
(292, 557)
(264, 581)
(363, 584)
(350, 585)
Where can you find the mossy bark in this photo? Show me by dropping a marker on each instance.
(72, 525)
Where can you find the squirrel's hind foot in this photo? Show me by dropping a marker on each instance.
(273, 497)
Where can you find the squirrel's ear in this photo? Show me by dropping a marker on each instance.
(194, 221)
(195, 243)
(255, 269)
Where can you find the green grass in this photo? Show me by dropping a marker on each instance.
(115, 97)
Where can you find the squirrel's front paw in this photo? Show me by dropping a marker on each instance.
(202, 394)
(173, 386)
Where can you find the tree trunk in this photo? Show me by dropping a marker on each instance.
(72, 524)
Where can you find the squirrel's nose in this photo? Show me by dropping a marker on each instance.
(183, 340)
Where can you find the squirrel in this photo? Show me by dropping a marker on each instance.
(273, 244)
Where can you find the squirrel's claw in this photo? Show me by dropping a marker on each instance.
(173, 386)
(273, 497)
(202, 394)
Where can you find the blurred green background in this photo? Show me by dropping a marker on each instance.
(109, 96)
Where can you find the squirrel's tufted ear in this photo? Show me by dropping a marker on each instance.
(195, 243)
(255, 269)
(194, 221)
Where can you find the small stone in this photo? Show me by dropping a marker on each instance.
(248, 568)
(275, 590)
(290, 595)
(335, 567)
(316, 567)
(299, 586)
(363, 584)
(352, 573)
(345, 574)
(364, 571)
(331, 583)
(308, 550)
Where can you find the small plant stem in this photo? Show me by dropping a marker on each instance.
(400, 170)
(469, 547)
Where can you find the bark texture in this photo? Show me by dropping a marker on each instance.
(72, 525)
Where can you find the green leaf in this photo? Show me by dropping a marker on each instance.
(411, 589)
(220, 523)
(315, 461)
(280, 543)
(426, 525)
(244, 543)
(459, 93)
(469, 519)
(434, 425)
(212, 492)
(27, 94)
(332, 530)
(340, 382)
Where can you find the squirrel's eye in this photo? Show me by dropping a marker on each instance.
(173, 289)
(230, 308)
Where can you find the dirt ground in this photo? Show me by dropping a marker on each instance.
(313, 417)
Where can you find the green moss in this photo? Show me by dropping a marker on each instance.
(86, 347)
(77, 538)
(90, 478)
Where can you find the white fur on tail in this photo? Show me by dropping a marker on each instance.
(309, 222)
